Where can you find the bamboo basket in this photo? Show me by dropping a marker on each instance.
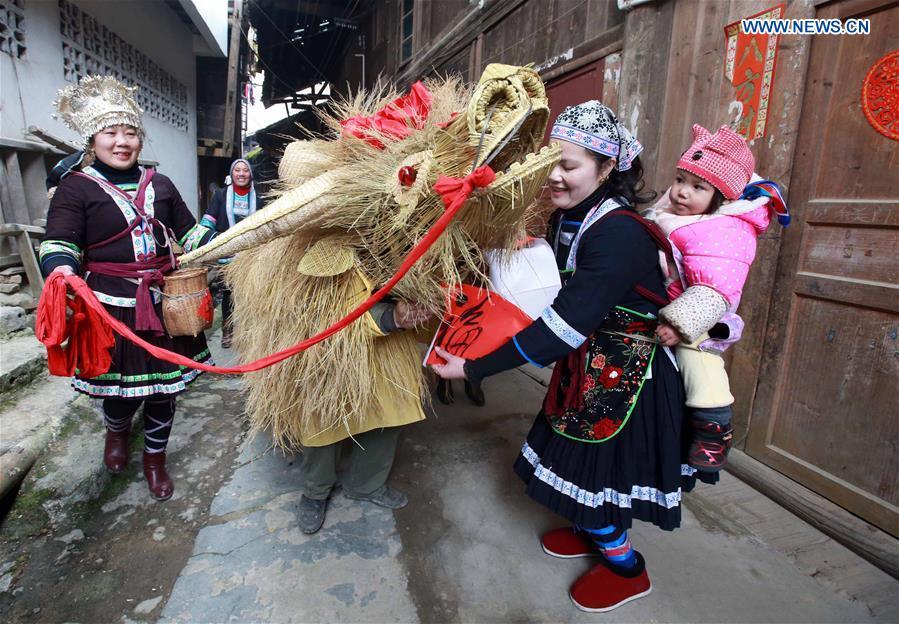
(186, 303)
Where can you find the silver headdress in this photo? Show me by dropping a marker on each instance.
(98, 102)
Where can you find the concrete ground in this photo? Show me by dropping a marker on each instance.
(82, 546)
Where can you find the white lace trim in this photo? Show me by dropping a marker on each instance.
(596, 213)
(668, 500)
(124, 302)
(563, 331)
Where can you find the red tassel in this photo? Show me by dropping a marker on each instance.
(89, 337)
(206, 309)
(559, 399)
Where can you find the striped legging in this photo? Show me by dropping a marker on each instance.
(158, 416)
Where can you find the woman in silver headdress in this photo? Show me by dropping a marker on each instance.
(114, 223)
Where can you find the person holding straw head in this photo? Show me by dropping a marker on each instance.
(114, 223)
(608, 446)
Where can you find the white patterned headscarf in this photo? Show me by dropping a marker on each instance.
(594, 126)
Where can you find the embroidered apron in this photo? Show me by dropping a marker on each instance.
(593, 392)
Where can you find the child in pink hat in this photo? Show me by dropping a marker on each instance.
(713, 213)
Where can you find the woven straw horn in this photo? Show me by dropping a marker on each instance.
(298, 208)
(519, 105)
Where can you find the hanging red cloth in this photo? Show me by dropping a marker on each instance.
(559, 399)
(89, 337)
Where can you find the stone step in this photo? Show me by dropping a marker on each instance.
(14, 320)
(29, 423)
(22, 358)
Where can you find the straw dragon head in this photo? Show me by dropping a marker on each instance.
(364, 198)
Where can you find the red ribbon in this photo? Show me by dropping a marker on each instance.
(456, 190)
(395, 120)
(89, 353)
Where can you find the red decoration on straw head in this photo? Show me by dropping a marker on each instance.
(395, 120)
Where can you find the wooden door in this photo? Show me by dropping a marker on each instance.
(827, 406)
(574, 87)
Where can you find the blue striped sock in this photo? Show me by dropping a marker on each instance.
(614, 545)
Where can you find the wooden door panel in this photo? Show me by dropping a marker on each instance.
(852, 292)
(850, 252)
(827, 405)
(852, 351)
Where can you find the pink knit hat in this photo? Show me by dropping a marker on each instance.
(722, 159)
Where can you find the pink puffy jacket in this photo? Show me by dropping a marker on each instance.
(715, 250)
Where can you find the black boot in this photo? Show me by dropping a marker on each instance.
(312, 514)
(711, 443)
(474, 392)
(445, 391)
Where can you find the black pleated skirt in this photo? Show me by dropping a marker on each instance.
(135, 374)
(639, 474)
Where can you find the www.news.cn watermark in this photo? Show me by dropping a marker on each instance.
(806, 26)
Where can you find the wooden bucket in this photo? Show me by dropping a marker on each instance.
(187, 307)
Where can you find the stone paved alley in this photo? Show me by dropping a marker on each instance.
(82, 546)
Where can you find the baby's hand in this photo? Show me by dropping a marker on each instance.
(667, 335)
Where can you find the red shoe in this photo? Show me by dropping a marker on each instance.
(158, 480)
(604, 588)
(568, 543)
(115, 451)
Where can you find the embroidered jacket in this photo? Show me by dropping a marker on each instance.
(82, 214)
(610, 259)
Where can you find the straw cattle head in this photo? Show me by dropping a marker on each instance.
(364, 198)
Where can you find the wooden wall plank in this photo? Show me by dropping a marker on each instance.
(883, 213)
(17, 210)
(34, 173)
(644, 76)
(861, 253)
(848, 291)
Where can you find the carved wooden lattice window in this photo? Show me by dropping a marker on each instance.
(89, 48)
(12, 28)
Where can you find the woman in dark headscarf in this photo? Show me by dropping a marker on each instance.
(608, 446)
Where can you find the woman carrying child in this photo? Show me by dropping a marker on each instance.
(609, 445)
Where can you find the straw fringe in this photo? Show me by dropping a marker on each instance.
(330, 385)
(339, 201)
